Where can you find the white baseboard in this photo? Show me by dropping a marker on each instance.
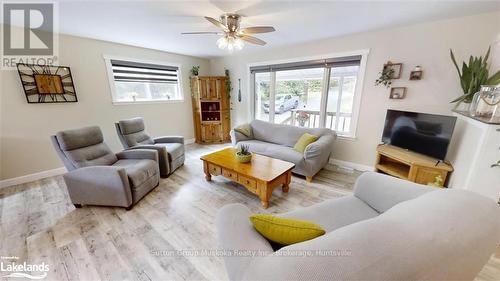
(49, 173)
(32, 177)
(351, 165)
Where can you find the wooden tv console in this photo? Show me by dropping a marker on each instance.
(408, 165)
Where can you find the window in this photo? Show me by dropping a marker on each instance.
(316, 94)
(138, 82)
(262, 90)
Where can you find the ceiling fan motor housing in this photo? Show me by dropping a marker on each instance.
(232, 21)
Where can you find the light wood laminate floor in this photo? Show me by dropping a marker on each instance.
(39, 224)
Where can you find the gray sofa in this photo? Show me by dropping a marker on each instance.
(277, 141)
(389, 229)
(132, 134)
(97, 176)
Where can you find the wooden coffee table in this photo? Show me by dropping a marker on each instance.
(260, 176)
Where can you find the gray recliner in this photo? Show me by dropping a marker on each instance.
(132, 134)
(97, 176)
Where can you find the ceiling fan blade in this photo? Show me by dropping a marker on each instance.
(195, 33)
(216, 23)
(253, 40)
(257, 29)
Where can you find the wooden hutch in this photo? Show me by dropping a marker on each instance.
(211, 109)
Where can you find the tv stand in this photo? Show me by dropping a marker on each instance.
(408, 165)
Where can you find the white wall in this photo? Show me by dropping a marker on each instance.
(25, 129)
(425, 44)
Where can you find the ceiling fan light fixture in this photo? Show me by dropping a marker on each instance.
(238, 43)
(234, 37)
(230, 42)
(222, 42)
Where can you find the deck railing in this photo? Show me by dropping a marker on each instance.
(312, 120)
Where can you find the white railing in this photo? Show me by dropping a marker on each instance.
(312, 117)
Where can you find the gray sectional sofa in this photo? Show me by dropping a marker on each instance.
(390, 229)
(277, 141)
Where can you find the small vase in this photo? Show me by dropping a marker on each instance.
(486, 104)
(243, 158)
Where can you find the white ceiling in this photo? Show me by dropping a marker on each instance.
(158, 24)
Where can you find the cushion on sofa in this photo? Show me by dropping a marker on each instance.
(335, 213)
(283, 134)
(245, 129)
(138, 171)
(274, 150)
(285, 231)
(382, 194)
(304, 141)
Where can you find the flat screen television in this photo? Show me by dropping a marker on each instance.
(428, 134)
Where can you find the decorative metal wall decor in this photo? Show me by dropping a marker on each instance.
(46, 83)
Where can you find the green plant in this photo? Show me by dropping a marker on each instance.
(229, 88)
(195, 70)
(385, 77)
(244, 150)
(473, 75)
(497, 164)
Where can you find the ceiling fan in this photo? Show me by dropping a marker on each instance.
(232, 35)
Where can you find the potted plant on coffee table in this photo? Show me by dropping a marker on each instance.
(243, 155)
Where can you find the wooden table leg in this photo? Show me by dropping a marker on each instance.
(208, 176)
(288, 179)
(265, 191)
(265, 204)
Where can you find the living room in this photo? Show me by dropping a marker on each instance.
(216, 140)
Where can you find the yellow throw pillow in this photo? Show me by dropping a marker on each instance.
(304, 141)
(245, 129)
(285, 231)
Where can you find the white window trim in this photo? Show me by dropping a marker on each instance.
(357, 93)
(111, 80)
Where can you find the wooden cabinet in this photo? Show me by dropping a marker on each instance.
(211, 109)
(211, 133)
(410, 165)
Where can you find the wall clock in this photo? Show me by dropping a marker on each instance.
(47, 83)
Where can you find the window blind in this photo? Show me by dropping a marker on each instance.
(127, 71)
(331, 62)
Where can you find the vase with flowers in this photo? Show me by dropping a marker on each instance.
(302, 118)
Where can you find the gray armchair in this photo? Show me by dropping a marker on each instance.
(97, 176)
(132, 134)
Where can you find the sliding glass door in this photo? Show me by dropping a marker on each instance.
(298, 91)
(340, 98)
(314, 94)
(262, 86)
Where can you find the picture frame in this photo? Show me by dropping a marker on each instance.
(397, 93)
(416, 75)
(47, 83)
(397, 67)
